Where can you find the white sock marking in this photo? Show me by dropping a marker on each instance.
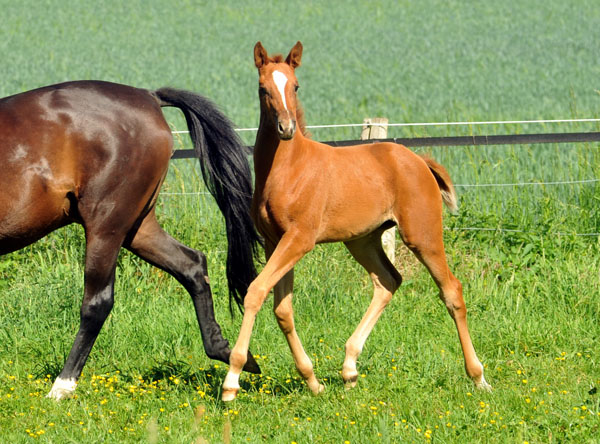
(231, 381)
(62, 388)
(281, 80)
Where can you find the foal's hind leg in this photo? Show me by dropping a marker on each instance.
(98, 297)
(429, 249)
(282, 307)
(188, 266)
(369, 253)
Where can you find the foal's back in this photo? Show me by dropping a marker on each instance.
(346, 193)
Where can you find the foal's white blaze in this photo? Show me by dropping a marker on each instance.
(281, 80)
(62, 388)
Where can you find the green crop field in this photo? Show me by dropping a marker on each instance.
(527, 255)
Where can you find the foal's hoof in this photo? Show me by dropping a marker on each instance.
(229, 394)
(251, 365)
(317, 389)
(483, 385)
(350, 384)
(314, 386)
(350, 377)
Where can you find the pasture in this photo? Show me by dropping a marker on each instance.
(527, 255)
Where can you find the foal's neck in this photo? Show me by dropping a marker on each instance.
(269, 149)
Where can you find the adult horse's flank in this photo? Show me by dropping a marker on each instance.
(307, 193)
(96, 153)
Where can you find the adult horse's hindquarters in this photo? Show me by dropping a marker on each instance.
(96, 153)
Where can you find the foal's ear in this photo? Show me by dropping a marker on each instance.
(261, 58)
(293, 58)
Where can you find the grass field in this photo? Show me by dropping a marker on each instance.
(532, 292)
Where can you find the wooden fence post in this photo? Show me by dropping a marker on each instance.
(376, 128)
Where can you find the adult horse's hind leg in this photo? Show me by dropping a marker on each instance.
(369, 253)
(188, 266)
(98, 298)
(429, 249)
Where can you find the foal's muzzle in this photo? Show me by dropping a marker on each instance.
(286, 128)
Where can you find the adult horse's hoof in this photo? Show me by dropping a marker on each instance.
(62, 388)
(251, 365)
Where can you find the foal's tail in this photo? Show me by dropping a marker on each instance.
(227, 175)
(444, 182)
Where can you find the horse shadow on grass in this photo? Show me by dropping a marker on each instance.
(208, 380)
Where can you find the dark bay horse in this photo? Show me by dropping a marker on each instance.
(307, 193)
(96, 153)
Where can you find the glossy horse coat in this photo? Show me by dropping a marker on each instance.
(308, 193)
(96, 153)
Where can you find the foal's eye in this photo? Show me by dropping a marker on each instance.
(262, 91)
(296, 88)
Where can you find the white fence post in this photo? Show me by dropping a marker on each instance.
(376, 128)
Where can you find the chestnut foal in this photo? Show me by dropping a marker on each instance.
(307, 193)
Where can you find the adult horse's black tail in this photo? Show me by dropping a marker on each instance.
(227, 175)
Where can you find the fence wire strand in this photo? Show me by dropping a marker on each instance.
(480, 185)
(409, 124)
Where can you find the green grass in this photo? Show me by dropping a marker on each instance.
(532, 319)
(532, 294)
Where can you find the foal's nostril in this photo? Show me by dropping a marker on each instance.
(286, 129)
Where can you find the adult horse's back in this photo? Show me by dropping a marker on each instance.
(96, 153)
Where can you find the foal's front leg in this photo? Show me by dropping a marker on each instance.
(290, 249)
(284, 312)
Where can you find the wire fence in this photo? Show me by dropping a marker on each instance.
(510, 139)
(411, 124)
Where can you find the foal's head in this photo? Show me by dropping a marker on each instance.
(277, 86)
